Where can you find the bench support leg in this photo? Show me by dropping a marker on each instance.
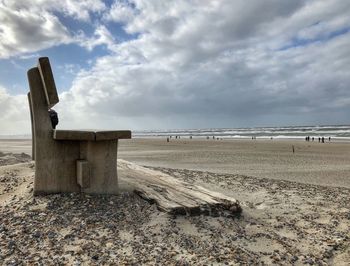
(83, 174)
(102, 160)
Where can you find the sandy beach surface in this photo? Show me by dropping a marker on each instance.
(312, 162)
(296, 208)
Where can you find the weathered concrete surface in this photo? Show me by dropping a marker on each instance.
(102, 158)
(91, 135)
(55, 169)
(32, 124)
(73, 135)
(48, 81)
(83, 173)
(58, 153)
(112, 135)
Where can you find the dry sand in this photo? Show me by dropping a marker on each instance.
(315, 163)
(288, 217)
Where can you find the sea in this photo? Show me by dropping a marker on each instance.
(337, 132)
(340, 132)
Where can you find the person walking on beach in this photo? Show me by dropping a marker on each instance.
(322, 139)
(319, 139)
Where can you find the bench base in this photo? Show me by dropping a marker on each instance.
(101, 160)
(76, 166)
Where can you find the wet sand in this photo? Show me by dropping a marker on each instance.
(16, 146)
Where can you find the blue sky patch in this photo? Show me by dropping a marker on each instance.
(297, 42)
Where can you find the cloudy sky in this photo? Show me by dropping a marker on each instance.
(155, 64)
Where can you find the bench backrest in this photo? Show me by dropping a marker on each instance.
(48, 81)
(42, 96)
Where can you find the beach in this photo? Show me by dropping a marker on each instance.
(296, 208)
(312, 162)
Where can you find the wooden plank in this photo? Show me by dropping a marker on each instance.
(59, 134)
(113, 135)
(48, 81)
(173, 195)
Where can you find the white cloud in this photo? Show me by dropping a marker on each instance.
(120, 11)
(77, 9)
(30, 26)
(101, 36)
(194, 65)
(15, 116)
(214, 63)
(22, 31)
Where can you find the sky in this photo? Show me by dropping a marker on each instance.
(155, 64)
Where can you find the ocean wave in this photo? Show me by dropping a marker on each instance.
(298, 132)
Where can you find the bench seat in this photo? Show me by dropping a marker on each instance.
(90, 135)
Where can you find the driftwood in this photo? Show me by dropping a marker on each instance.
(173, 195)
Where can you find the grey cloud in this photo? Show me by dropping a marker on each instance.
(30, 26)
(22, 31)
(220, 64)
(241, 80)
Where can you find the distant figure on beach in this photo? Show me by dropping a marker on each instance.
(167, 139)
(329, 138)
(319, 139)
(313, 138)
(207, 137)
(190, 137)
(322, 139)
(54, 118)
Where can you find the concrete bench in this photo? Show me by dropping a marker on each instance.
(68, 160)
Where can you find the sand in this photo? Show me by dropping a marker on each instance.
(314, 163)
(296, 209)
